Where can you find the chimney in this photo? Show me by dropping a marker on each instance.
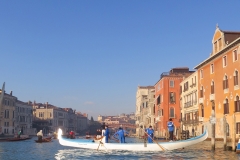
(10, 93)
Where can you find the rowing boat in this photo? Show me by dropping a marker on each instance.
(101, 145)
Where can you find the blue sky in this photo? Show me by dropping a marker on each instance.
(91, 55)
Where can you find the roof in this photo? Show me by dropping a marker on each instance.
(230, 36)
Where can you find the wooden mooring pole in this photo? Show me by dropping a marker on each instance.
(213, 121)
(234, 133)
(224, 133)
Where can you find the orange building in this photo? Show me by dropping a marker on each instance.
(218, 83)
(167, 94)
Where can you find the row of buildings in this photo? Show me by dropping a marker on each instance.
(30, 117)
(190, 97)
(127, 121)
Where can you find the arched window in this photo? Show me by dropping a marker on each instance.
(226, 107)
(237, 104)
(225, 82)
(235, 78)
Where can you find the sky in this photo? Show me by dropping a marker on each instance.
(91, 55)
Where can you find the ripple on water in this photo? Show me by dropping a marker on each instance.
(48, 151)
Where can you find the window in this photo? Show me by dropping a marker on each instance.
(154, 109)
(6, 115)
(171, 83)
(235, 56)
(212, 68)
(202, 110)
(225, 82)
(159, 100)
(201, 92)
(235, 78)
(237, 104)
(212, 88)
(220, 44)
(201, 73)
(185, 86)
(172, 97)
(238, 128)
(226, 107)
(215, 46)
(171, 112)
(41, 114)
(224, 61)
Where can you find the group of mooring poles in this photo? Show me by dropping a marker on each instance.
(225, 147)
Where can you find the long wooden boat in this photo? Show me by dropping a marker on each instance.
(101, 145)
(17, 139)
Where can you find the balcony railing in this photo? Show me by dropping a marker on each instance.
(212, 97)
(201, 100)
(190, 122)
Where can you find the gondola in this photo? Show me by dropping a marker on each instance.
(158, 146)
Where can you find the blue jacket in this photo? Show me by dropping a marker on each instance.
(150, 132)
(170, 126)
(120, 133)
(106, 132)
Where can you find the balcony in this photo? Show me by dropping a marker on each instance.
(188, 104)
(158, 119)
(226, 90)
(201, 100)
(212, 97)
(201, 119)
(190, 122)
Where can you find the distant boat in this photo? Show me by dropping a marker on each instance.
(44, 140)
(18, 139)
(101, 145)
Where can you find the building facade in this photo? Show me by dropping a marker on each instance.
(189, 104)
(142, 100)
(218, 78)
(24, 117)
(7, 115)
(167, 104)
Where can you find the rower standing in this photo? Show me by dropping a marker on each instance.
(120, 134)
(150, 133)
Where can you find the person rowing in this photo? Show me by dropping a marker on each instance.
(120, 134)
(150, 132)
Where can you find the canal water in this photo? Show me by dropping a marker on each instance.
(29, 150)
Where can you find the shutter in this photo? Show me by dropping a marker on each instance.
(223, 84)
(226, 83)
(173, 97)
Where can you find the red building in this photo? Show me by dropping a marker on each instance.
(167, 104)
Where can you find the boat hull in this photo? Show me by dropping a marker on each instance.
(100, 145)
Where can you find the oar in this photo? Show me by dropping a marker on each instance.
(153, 140)
(100, 143)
